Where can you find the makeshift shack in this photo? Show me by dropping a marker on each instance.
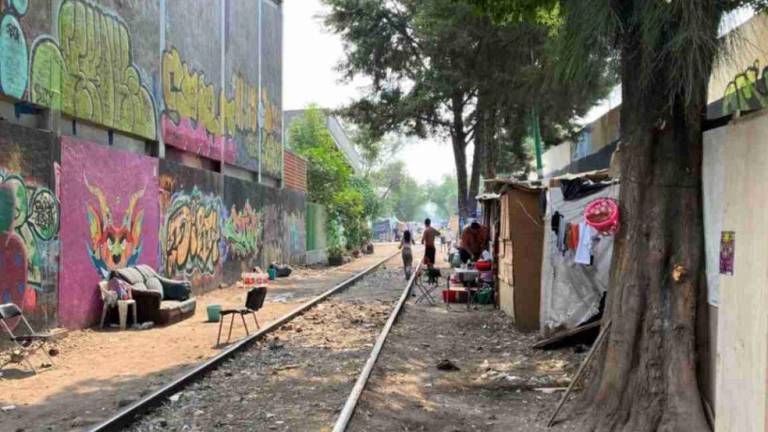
(513, 213)
(571, 288)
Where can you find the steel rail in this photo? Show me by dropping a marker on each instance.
(129, 414)
(349, 407)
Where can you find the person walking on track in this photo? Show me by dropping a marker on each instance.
(428, 239)
(407, 254)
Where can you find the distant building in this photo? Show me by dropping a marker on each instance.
(337, 132)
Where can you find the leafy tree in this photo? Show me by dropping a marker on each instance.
(347, 199)
(443, 195)
(437, 68)
(664, 51)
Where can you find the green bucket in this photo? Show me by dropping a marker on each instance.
(213, 313)
(272, 272)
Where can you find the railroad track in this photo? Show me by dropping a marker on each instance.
(261, 358)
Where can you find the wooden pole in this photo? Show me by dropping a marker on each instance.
(598, 343)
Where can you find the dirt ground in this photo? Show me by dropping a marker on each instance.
(296, 380)
(100, 371)
(501, 385)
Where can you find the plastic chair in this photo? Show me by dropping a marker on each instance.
(253, 302)
(28, 343)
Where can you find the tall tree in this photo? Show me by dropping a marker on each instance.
(646, 379)
(438, 68)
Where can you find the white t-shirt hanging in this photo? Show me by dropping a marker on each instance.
(584, 250)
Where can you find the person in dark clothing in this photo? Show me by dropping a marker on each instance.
(428, 240)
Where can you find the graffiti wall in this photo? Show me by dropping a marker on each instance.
(192, 243)
(294, 226)
(202, 77)
(29, 222)
(110, 218)
(284, 229)
(93, 67)
(271, 93)
(243, 228)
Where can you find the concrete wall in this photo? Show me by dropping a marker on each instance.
(742, 322)
(162, 127)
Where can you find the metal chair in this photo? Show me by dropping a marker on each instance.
(426, 281)
(253, 302)
(28, 343)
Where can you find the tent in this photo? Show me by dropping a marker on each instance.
(571, 292)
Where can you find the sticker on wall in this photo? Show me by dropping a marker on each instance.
(727, 252)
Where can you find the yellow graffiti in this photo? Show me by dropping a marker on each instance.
(192, 234)
(89, 73)
(272, 146)
(187, 94)
(748, 90)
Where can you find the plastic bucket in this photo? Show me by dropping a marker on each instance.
(213, 313)
(272, 273)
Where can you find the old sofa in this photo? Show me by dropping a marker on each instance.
(160, 300)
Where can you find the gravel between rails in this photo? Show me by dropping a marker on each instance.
(298, 377)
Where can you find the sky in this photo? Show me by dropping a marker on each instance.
(310, 54)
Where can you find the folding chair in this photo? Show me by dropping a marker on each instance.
(253, 302)
(28, 343)
(426, 282)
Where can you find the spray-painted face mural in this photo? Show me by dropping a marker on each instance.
(111, 245)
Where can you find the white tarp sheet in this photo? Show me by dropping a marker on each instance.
(570, 292)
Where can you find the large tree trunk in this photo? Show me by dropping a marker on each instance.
(646, 377)
(459, 142)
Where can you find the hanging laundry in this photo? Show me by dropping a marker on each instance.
(573, 237)
(584, 250)
(561, 235)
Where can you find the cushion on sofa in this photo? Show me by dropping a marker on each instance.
(146, 271)
(172, 311)
(130, 275)
(153, 284)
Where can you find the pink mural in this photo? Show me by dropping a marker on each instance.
(186, 135)
(110, 218)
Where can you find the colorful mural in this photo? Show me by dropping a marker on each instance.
(271, 88)
(134, 68)
(241, 231)
(29, 223)
(88, 71)
(113, 246)
(192, 244)
(193, 234)
(109, 215)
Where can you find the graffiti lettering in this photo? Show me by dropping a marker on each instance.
(272, 146)
(748, 90)
(113, 246)
(89, 73)
(191, 238)
(241, 232)
(200, 120)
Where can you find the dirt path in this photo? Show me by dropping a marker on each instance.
(494, 390)
(296, 380)
(98, 371)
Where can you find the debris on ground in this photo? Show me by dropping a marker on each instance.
(298, 378)
(447, 365)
